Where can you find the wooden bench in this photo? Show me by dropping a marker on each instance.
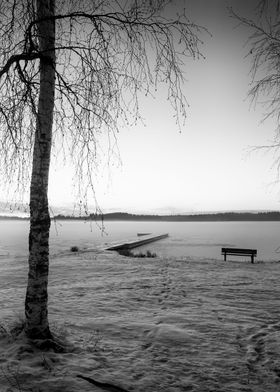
(239, 252)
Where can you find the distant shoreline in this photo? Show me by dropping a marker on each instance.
(270, 216)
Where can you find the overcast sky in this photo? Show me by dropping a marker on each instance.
(208, 166)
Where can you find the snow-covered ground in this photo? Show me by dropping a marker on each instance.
(148, 325)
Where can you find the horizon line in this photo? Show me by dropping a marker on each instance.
(185, 214)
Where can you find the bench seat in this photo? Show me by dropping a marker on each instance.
(239, 252)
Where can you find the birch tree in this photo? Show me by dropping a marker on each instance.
(68, 72)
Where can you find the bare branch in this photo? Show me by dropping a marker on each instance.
(109, 54)
(16, 59)
(264, 52)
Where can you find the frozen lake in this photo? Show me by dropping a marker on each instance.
(169, 324)
(198, 240)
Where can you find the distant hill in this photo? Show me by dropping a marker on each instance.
(13, 217)
(216, 217)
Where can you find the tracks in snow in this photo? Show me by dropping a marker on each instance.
(259, 347)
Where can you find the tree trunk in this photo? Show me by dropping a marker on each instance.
(36, 301)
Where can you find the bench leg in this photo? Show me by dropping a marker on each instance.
(252, 259)
(225, 257)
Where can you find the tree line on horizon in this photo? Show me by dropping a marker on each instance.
(125, 216)
(214, 217)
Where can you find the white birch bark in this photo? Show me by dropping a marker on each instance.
(36, 302)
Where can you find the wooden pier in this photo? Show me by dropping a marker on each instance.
(135, 244)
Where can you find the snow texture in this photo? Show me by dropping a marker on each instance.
(150, 325)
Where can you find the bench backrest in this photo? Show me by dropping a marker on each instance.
(240, 250)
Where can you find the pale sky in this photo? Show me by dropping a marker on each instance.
(208, 166)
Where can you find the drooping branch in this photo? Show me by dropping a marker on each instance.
(15, 59)
(264, 53)
(264, 50)
(107, 60)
